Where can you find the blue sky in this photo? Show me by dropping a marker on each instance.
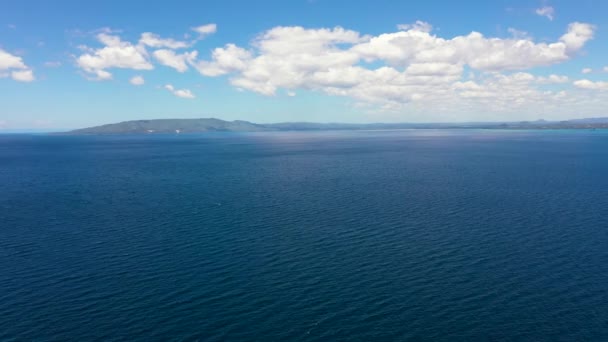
(68, 64)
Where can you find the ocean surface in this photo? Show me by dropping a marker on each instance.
(443, 235)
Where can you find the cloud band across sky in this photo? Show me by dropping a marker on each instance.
(411, 69)
(389, 70)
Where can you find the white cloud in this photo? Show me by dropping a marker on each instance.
(15, 67)
(586, 70)
(101, 75)
(518, 34)
(547, 12)
(479, 52)
(578, 34)
(433, 69)
(23, 75)
(178, 62)
(605, 69)
(9, 61)
(137, 80)
(413, 64)
(115, 54)
(552, 79)
(287, 57)
(183, 93)
(411, 68)
(205, 30)
(155, 41)
(417, 26)
(287, 40)
(230, 58)
(587, 84)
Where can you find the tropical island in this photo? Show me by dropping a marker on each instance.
(164, 126)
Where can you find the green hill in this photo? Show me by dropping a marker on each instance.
(172, 126)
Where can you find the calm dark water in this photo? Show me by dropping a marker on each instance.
(362, 236)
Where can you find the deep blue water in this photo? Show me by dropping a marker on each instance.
(361, 236)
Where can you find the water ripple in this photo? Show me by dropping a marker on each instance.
(307, 237)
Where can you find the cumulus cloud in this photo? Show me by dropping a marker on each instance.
(546, 11)
(155, 41)
(205, 30)
(479, 52)
(9, 61)
(586, 70)
(433, 69)
(101, 75)
(578, 34)
(183, 93)
(417, 26)
(230, 58)
(552, 79)
(590, 85)
(410, 66)
(23, 75)
(605, 69)
(115, 54)
(13, 66)
(137, 80)
(518, 34)
(287, 57)
(176, 61)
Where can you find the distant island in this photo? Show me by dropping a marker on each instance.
(164, 126)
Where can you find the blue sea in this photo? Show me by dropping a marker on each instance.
(406, 235)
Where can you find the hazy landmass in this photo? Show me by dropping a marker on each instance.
(216, 125)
